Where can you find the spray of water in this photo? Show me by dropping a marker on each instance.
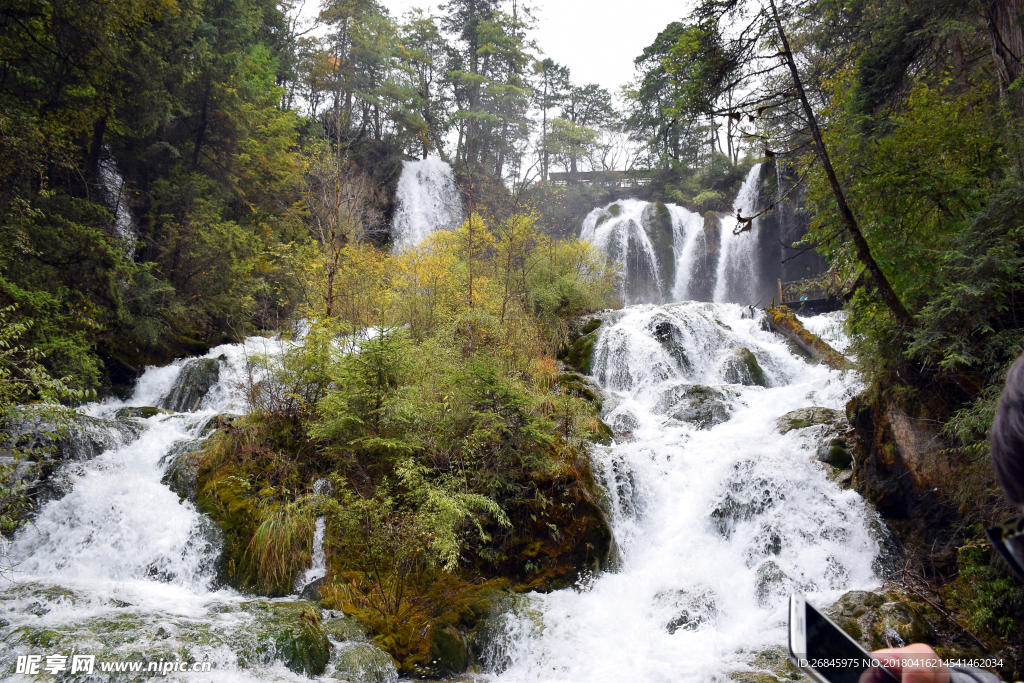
(716, 516)
(426, 200)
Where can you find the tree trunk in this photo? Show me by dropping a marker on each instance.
(845, 213)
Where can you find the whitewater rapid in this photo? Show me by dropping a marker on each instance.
(713, 527)
(119, 565)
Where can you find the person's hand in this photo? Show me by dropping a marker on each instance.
(915, 663)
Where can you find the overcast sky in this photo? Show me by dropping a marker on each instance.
(597, 39)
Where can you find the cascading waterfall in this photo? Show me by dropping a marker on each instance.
(116, 197)
(666, 252)
(119, 565)
(716, 515)
(737, 277)
(426, 200)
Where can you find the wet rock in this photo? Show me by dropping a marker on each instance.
(887, 619)
(831, 447)
(357, 662)
(746, 496)
(668, 334)
(692, 608)
(221, 421)
(697, 404)
(622, 423)
(809, 417)
(194, 382)
(449, 653)
(835, 451)
(769, 666)
(741, 367)
(299, 638)
(182, 468)
(141, 412)
(772, 585)
(311, 591)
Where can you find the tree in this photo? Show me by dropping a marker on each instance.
(552, 87)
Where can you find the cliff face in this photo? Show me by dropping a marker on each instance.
(780, 228)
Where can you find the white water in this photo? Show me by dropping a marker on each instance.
(682, 566)
(732, 273)
(738, 277)
(426, 200)
(120, 547)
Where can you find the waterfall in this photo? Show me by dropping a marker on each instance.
(427, 200)
(318, 567)
(118, 565)
(665, 252)
(116, 198)
(654, 246)
(737, 278)
(716, 515)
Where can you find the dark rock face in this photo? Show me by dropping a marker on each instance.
(899, 466)
(787, 223)
(194, 382)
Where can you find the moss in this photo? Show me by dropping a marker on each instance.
(741, 367)
(614, 210)
(581, 351)
(448, 651)
(781, 319)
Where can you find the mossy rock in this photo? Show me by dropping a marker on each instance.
(809, 417)
(581, 351)
(299, 637)
(573, 383)
(182, 469)
(769, 666)
(449, 653)
(357, 662)
(741, 367)
(140, 412)
(835, 452)
(889, 619)
(614, 210)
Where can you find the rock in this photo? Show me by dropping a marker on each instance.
(361, 663)
(697, 404)
(832, 447)
(808, 417)
(622, 423)
(692, 607)
(583, 387)
(141, 412)
(448, 651)
(889, 619)
(835, 452)
(299, 637)
(182, 468)
(220, 421)
(311, 591)
(741, 367)
(772, 585)
(194, 381)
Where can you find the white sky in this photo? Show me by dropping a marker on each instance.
(597, 39)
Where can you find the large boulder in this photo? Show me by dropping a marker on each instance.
(831, 445)
(741, 367)
(699, 405)
(888, 619)
(580, 346)
(194, 382)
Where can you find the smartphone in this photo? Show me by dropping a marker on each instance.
(825, 653)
